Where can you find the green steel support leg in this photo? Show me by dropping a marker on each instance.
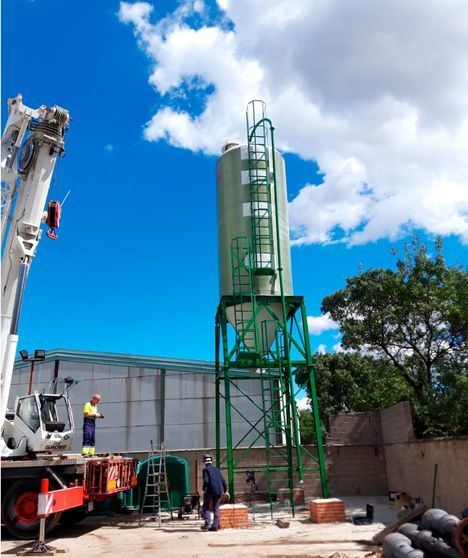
(313, 394)
(230, 456)
(289, 445)
(227, 398)
(295, 426)
(217, 396)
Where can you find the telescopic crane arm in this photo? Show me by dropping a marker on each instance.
(31, 143)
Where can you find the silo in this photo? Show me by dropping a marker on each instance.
(247, 232)
(238, 207)
(261, 331)
(235, 216)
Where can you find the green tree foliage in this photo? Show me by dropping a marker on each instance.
(350, 382)
(306, 426)
(416, 319)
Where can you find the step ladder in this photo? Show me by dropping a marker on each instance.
(156, 491)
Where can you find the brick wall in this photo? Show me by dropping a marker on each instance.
(356, 456)
(361, 462)
(397, 423)
(255, 457)
(411, 467)
(357, 470)
(356, 429)
(367, 454)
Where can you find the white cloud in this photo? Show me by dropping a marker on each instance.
(322, 349)
(338, 348)
(109, 147)
(375, 92)
(303, 404)
(319, 324)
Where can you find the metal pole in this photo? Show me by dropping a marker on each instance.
(162, 415)
(313, 395)
(227, 397)
(42, 530)
(31, 374)
(434, 486)
(287, 355)
(217, 396)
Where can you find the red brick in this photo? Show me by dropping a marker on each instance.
(233, 516)
(330, 510)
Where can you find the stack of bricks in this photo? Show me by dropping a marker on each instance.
(327, 510)
(233, 516)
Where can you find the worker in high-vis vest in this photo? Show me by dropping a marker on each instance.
(90, 414)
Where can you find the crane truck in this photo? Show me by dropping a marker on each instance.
(40, 479)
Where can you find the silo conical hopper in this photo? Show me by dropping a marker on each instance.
(235, 209)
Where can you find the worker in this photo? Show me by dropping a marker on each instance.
(213, 486)
(90, 414)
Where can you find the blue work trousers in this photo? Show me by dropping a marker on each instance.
(89, 433)
(211, 501)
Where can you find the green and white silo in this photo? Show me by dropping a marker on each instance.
(241, 220)
(261, 326)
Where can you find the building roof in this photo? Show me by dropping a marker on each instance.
(119, 359)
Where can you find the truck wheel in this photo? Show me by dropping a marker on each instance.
(19, 510)
(73, 516)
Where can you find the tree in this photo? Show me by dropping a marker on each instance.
(416, 319)
(350, 382)
(306, 426)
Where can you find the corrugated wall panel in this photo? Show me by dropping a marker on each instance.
(132, 404)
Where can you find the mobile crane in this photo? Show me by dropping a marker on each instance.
(39, 430)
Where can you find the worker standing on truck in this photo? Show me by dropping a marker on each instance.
(90, 414)
(213, 486)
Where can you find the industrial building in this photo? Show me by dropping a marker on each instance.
(144, 398)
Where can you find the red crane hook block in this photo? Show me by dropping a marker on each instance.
(54, 212)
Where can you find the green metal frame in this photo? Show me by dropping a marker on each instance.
(247, 351)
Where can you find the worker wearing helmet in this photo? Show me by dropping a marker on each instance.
(90, 414)
(213, 486)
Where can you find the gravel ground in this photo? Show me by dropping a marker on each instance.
(120, 536)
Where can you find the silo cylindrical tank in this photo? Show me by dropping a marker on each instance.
(235, 220)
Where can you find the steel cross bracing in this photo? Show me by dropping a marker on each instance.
(246, 353)
(242, 290)
(272, 420)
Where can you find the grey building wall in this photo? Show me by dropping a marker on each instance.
(143, 399)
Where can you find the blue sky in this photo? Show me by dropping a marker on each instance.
(134, 270)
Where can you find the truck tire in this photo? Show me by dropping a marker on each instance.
(19, 510)
(72, 517)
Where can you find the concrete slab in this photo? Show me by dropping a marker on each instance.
(120, 536)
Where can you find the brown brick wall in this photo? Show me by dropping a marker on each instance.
(356, 429)
(359, 463)
(397, 423)
(411, 466)
(357, 470)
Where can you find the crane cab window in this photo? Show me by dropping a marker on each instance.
(54, 413)
(29, 413)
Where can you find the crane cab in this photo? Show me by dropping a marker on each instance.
(40, 423)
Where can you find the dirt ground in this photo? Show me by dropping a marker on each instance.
(120, 535)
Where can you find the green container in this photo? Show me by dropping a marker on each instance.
(177, 472)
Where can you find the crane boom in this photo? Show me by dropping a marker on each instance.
(31, 143)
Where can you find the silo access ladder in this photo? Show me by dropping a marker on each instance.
(156, 490)
(260, 189)
(243, 298)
